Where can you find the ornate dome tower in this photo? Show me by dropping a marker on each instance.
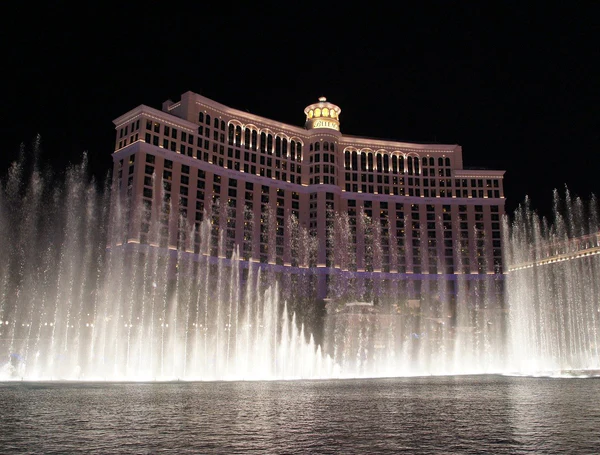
(322, 115)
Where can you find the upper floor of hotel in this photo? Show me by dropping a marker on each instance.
(393, 206)
(315, 154)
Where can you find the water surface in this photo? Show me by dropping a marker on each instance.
(474, 414)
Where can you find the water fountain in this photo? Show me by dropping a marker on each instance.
(553, 289)
(71, 308)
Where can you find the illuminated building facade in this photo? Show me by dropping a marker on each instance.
(297, 198)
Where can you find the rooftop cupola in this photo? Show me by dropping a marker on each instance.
(322, 115)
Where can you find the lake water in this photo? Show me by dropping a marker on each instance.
(474, 414)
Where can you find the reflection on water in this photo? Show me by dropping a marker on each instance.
(477, 414)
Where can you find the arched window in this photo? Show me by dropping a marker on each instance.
(370, 158)
(201, 117)
(431, 161)
(448, 162)
(238, 135)
(298, 152)
(277, 146)
(284, 144)
(263, 142)
(424, 161)
(326, 146)
(293, 150)
(386, 163)
(363, 161)
(347, 159)
(270, 144)
(254, 139)
(247, 138)
(440, 161)
(208, 119)
(379, 163)
(416, 166)
(401, 164)
(231, 133)
(354, 161)
(331, 147)
(317, 146)
(410, 165)
(216, 123)
(394, 164)
(222, 125)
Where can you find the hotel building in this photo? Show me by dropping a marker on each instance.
(298, 198)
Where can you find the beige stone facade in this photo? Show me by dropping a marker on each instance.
(305, 197)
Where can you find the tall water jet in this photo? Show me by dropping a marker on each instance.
(81, 299)
(397, 324)
(71, 308)
(553, 288)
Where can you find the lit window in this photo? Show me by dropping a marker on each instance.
(317, 112)
(311, 113)
(325, 112)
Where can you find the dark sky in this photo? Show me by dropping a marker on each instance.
(516, 86)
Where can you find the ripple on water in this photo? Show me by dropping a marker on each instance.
(483, 414)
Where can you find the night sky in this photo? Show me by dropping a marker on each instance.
(517, 86)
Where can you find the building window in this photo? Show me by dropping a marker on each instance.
(231, 133)
(254, 140)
